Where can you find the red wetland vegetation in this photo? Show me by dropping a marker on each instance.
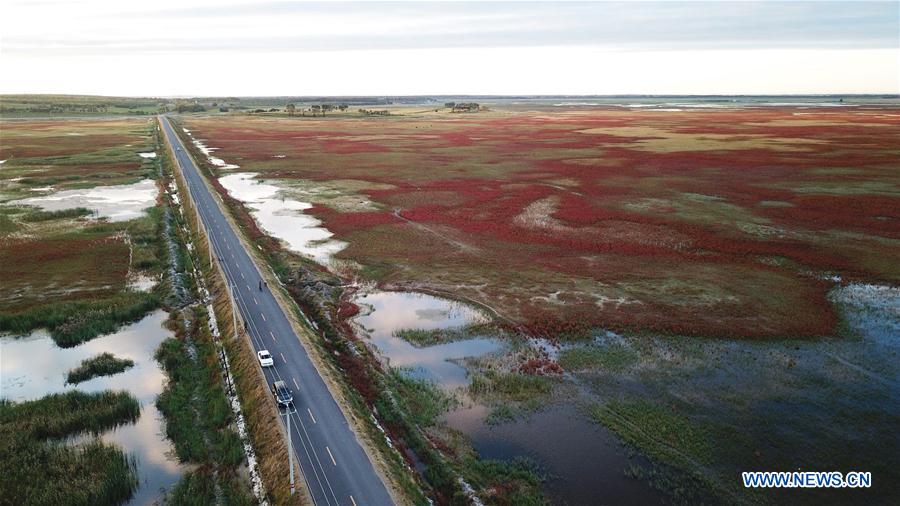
(727, 222)
(66, 259)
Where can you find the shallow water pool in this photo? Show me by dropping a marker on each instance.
(33, 366)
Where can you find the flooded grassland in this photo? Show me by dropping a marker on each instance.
(33, 366)
(80, 259)
(86, 267)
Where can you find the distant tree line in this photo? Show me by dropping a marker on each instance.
(51, 107)
(375, 112)
(186, 106)
(463, 106)
(315, 109)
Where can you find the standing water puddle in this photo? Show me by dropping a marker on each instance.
(279, 217)
(584, 461)
(118, 203)
(387, 312)
(34, 366)
(283, 218)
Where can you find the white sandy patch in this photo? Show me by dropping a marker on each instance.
(538, 215)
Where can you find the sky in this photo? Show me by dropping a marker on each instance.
(258, 48)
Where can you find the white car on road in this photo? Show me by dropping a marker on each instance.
(265, 358)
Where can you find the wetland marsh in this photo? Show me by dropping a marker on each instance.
(671, 289)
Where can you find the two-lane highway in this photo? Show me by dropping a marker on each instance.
(336, 469)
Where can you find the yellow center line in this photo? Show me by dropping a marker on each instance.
(330, 455)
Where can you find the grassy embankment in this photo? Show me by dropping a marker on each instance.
(36, 467)
(497, 482)
(365, 385)
(104, 364)
(199, 420)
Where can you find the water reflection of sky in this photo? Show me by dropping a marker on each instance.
(283, 218)
(585, 461)
(33, 366)
(117, 203)
(386, 312)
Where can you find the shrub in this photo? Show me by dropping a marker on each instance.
(105, 364)
(36, 469)
(47, 473)
(63, 414)
(72, 323)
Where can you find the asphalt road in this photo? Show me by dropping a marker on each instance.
(335, 467)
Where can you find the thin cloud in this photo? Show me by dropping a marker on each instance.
(402, 36)
(293, 26)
